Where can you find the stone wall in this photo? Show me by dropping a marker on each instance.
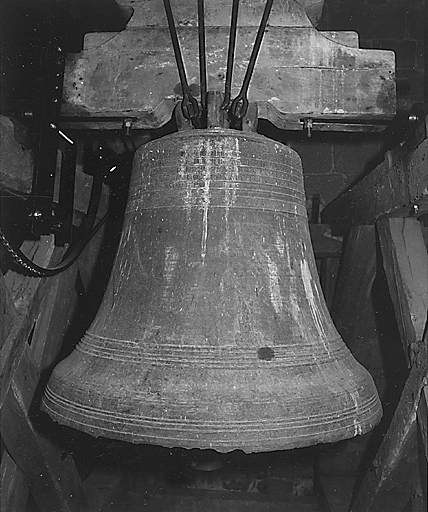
(332, 162)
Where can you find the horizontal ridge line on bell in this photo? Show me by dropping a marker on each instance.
(231, 349)
(237, 187)
(218, 197)
(176, 182)
(223, 161)
(221, 174)
(213, 355)
(208, 428)
(54, 397)
(225, 442)
(137, 419)
(238, 365)
(202, 356)
(222, 166)
(239, 207)
(199, 429)
(234, 155)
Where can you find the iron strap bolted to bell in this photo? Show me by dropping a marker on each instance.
(213, 331)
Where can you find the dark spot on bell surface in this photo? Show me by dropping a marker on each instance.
(265, 353)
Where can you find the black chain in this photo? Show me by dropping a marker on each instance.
(189, 104)
(202, 55)
(18, 257)
(239, 106)
(230, 55)
(36, 270)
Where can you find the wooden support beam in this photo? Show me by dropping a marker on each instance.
(423, 419)
(423, 440)
(16, 166)
(356, 275)
(353, 306)
(394, 471)
(49, 472)
(217, 12)
(43, 308)
(405, 261)
(300, 73)
(14, 488)
(27, 293)
(56, 311)
(398, 186)
(328, 271)
(324, 243)
(8, 313)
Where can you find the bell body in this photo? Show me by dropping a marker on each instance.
(213, 331)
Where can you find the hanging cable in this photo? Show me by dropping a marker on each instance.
(239, 105)
(202, 56)
(70, 257)
(189, 104)
(230, 55)
(87, 230)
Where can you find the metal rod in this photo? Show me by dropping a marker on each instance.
(230, 54)
(46, 143)
(189, 105)
(202, 54)
(240, 103)
(63, 225)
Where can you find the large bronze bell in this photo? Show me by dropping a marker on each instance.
(213, 331)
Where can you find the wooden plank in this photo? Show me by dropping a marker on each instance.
(50, 473)
(324, 243)
(351, 303)
(423, 441)
(299, 72)
(329, 269)
(56, 313)
(423, 419)
(14, 489)
(217, 13)
(16, 167)
(396, 464)
(83, 188)
(353, 311)
(8, 313)
(395, 468)
(405, 261)
(43, 253)
(27, 293)
(397, 186)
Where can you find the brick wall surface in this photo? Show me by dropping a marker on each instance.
(332, 162)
